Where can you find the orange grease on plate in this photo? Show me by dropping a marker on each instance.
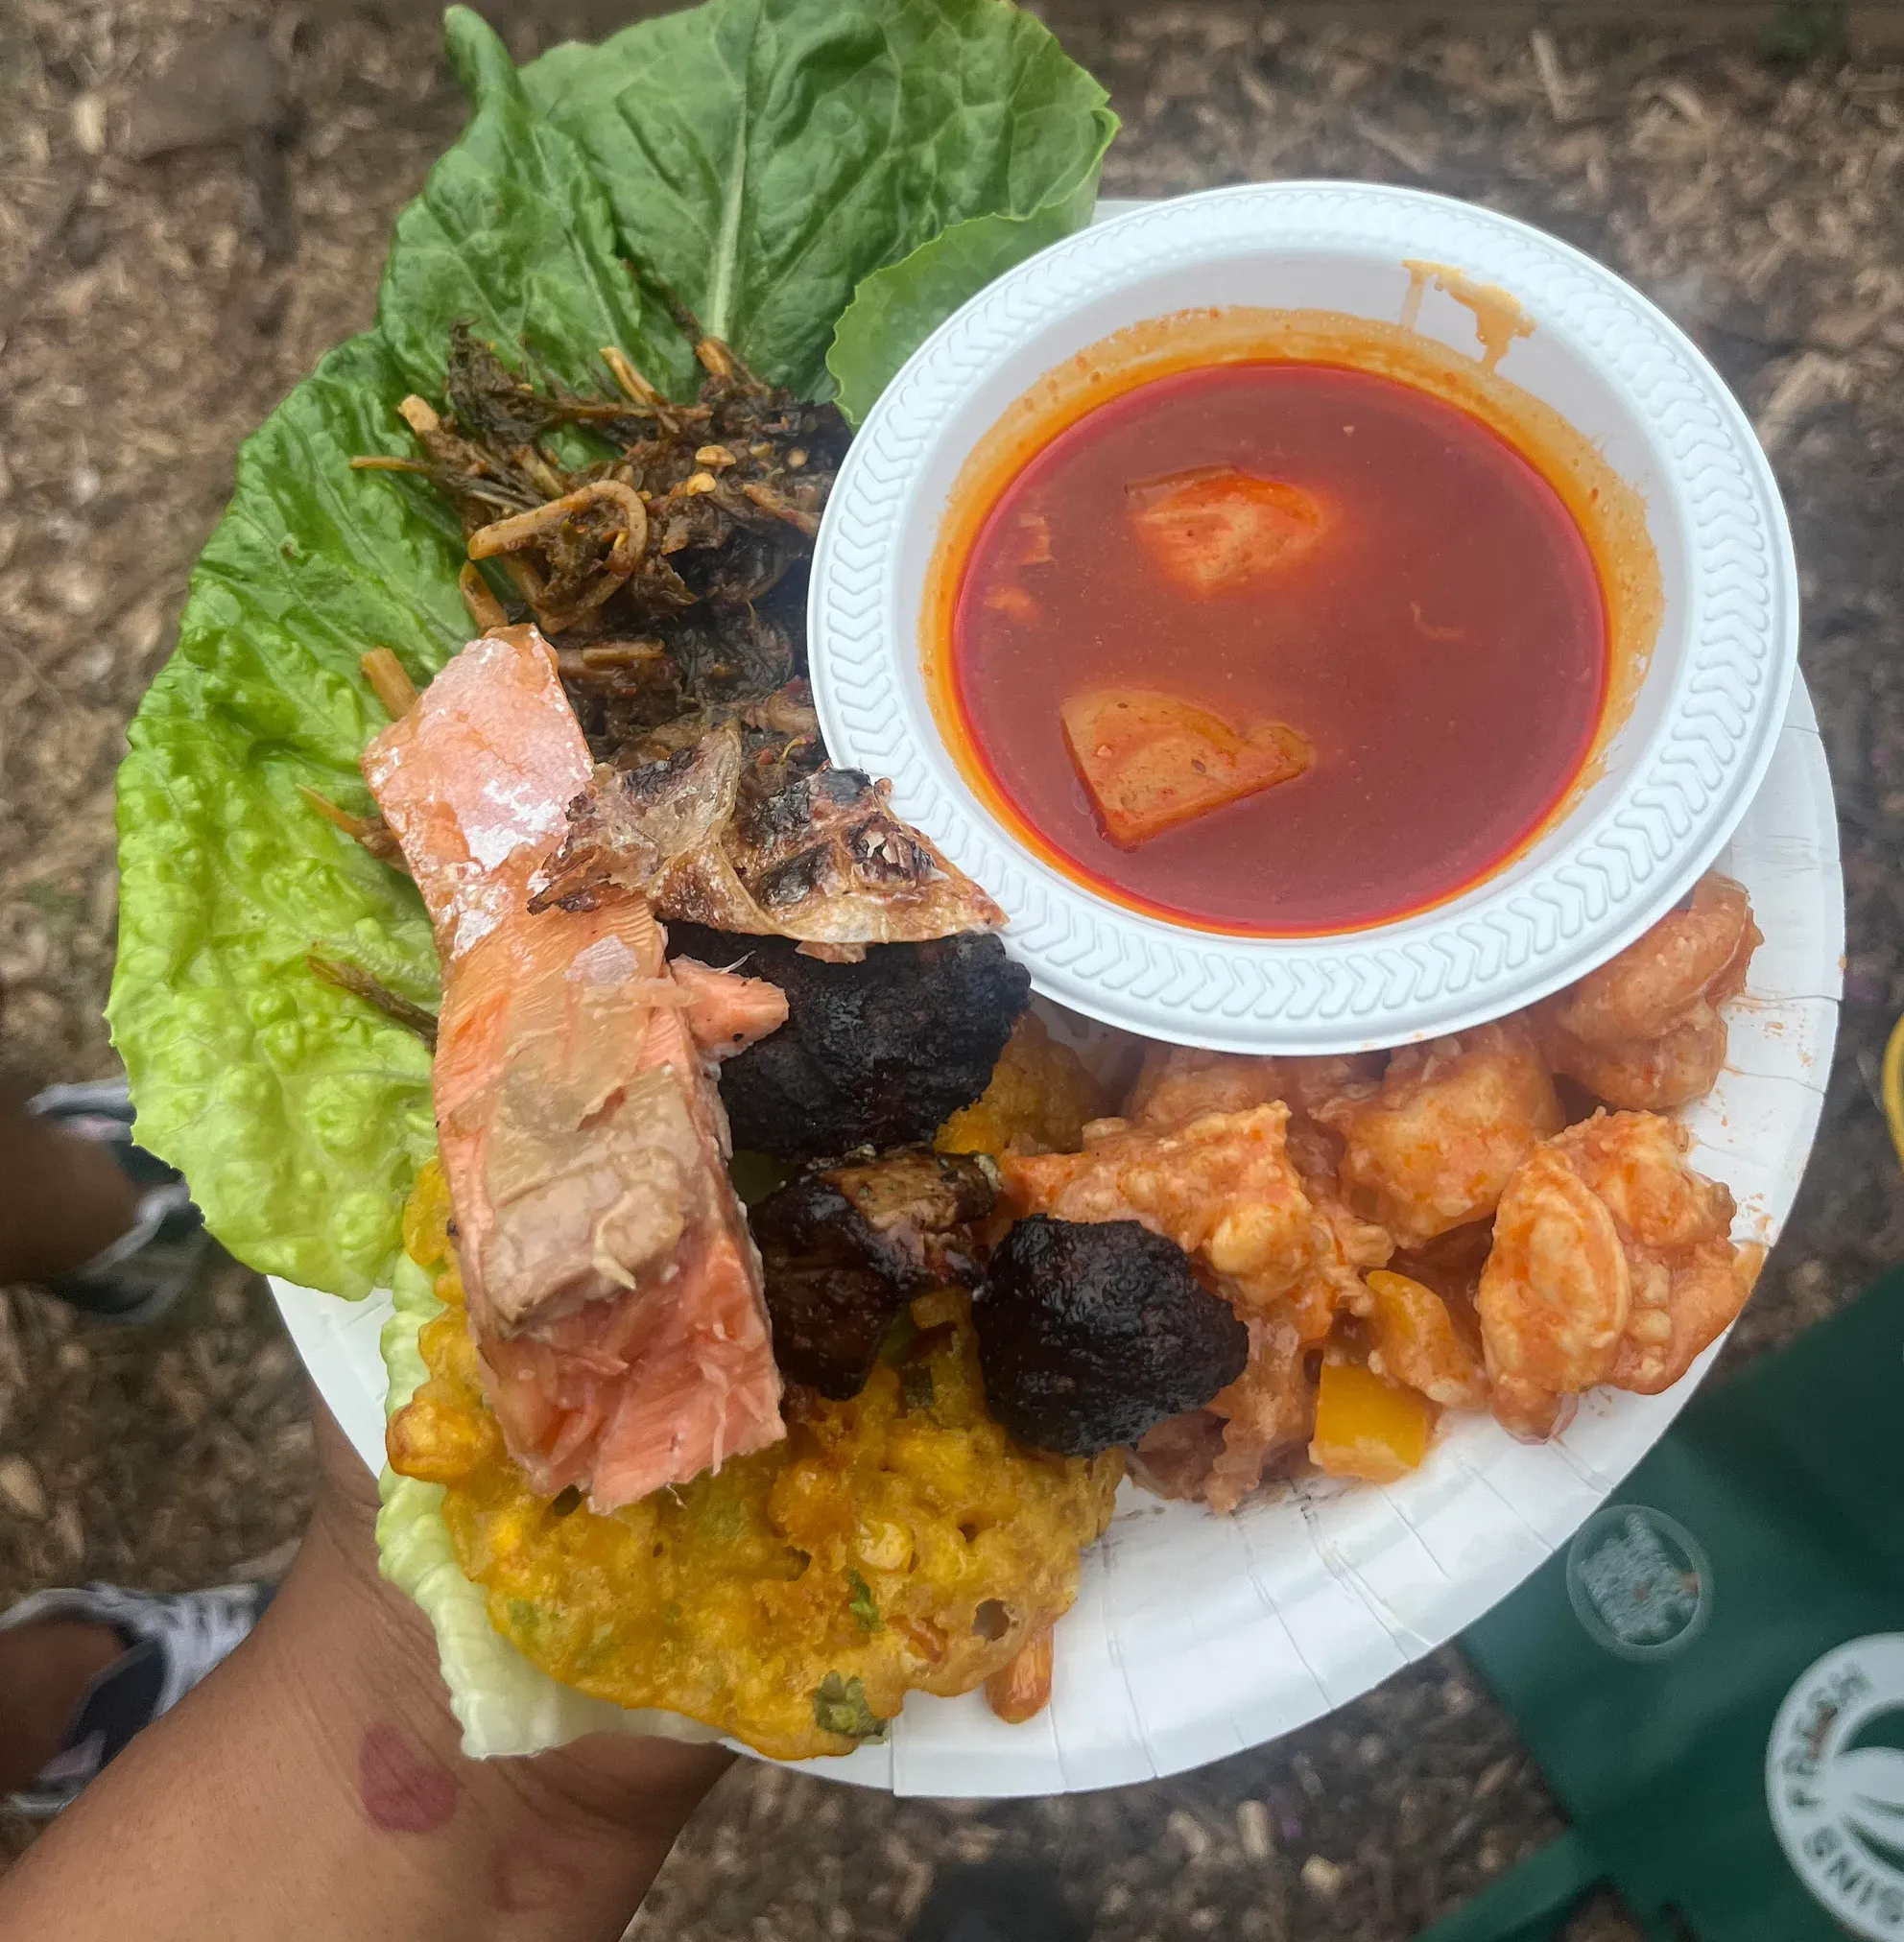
(1498, 319)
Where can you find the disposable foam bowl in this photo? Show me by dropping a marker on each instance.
(1670, 785)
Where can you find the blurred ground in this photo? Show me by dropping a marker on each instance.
(152, 311)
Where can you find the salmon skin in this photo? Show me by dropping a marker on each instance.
(613, 1289)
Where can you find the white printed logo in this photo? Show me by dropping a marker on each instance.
(1836, 1789)
(1639, 1581)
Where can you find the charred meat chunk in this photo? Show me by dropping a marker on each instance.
(878, 1054)
(1090, 1333)
(845, 1248)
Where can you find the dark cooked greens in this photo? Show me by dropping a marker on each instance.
(773, 164)
(664, 555)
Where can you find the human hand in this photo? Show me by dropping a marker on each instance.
(609, 1789)
(314, 1788)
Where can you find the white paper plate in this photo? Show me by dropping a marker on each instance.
(1675, 778)
(1196, 1636)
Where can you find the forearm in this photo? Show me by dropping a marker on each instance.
(312, 1789)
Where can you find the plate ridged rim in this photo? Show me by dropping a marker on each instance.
(1500, 946)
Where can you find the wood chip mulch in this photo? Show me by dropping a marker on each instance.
(153, 310)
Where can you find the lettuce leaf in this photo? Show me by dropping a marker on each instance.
(298, 1113)
(764, 158)
(767, 156)
(514, 232)
(895, 310)
(503, 1703)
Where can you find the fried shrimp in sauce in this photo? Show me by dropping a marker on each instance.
(1221, 1186)
(1267, 1414)
(1432, 1146)
(1644, 1031)
(1611, 1263)
(1177, 1083)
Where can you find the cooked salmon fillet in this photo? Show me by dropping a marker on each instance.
(612, 1287)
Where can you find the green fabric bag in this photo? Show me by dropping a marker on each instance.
(1712, 1673)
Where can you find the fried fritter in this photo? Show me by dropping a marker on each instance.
(793, 1596)
(1039, 1100)
(878, 1053)
(1092, 1333)
(845, 1247)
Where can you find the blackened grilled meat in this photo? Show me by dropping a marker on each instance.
(845, 1248)
(878, 1054)
(1092, 1333)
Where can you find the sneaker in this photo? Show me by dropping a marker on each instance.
(172, 1642)
(155, 1259)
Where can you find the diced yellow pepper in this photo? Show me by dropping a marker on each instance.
(1369, 1427)
(1039, 1101)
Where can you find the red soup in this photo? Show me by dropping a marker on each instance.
(1280, 648)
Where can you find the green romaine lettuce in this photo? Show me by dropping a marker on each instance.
(895, 310)
(767, 159)
(298, 1113)
(514, 232)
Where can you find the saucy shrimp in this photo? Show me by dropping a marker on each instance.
(1644, 1031)
(1431, 1147)
(1611, 1263)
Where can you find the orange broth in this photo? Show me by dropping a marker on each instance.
(1457, 640)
